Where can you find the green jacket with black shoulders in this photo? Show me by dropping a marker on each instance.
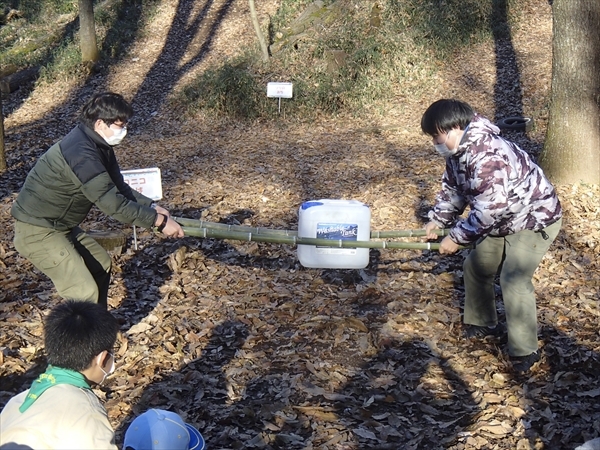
(76, 173)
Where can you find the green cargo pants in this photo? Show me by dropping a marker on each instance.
(77, 265)
(516, 257)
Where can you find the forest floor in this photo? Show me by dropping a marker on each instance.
(257, 351)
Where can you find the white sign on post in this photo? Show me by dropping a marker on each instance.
(279, 91)
(147, 182)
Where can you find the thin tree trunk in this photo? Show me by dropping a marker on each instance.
(261, 38)
(2, 147)
(87, 31)
(572, 148)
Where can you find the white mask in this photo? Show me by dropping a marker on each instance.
(111, 370)
(443, 149)
(117, 137)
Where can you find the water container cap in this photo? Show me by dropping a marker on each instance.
(307, 205)
(312, 203)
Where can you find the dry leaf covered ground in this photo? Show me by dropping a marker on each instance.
(257, 351)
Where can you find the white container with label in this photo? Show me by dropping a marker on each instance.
(349, 220)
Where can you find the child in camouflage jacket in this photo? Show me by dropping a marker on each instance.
(514, 216)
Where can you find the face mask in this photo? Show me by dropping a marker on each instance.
(443, 149)
(117, 136)
(111, 370)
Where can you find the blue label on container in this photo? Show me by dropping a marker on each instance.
(337, 231)
(343, 231)
(307, 205)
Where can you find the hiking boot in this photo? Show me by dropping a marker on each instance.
(522, 364)
(479, 332)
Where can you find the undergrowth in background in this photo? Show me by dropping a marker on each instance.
(35, 11)
(45, 33)
(231, 90)
(388, 47)
(382, 49)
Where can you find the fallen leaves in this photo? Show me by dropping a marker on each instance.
(258, 352)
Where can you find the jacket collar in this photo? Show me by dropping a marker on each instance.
(98, 140)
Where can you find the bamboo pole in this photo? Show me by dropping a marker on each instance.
(223, 226)
(217, 233)
(194, 223)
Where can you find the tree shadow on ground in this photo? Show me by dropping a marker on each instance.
(409, 395)
(406, 396)
(198, 390)
(40, 134)
(14, 100)
(17, 382)
(170, 66)
(559, 412)
(60, 120)
(508, 94)
(508, 89)
(22, 355)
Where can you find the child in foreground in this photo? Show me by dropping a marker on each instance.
(60, 410)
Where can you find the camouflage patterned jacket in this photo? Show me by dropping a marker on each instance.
(504, 189)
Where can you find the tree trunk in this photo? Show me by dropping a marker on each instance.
(87, 31)
(572, 149)
(261, 38)
(2, 148)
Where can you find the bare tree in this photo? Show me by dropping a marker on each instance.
(572, 148)
(87, 31)
(261, 38)
(2, 148)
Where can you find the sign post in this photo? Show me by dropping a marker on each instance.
(145, 181)
(279, 91)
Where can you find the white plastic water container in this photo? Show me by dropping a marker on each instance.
(349, 220)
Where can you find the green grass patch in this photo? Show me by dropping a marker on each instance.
(379, 53)
(230, 90)
(39, 10)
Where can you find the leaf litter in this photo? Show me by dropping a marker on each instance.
(257, 351)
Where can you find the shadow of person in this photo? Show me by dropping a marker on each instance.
(407, 396)
(198, 390)
(140, 280)
(562, 392)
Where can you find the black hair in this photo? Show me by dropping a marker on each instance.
(108, 107)
(444, 115)
(75, 332)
